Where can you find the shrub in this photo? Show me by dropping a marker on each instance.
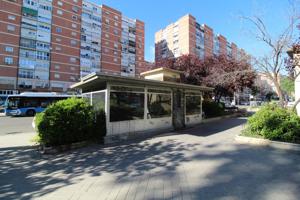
(274, 123)
(99, 127)
(212, 109)
(69, 121)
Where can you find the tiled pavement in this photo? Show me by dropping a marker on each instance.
(199, 163)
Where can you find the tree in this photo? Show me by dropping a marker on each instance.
(272, 63)
(292, 65)
(229, 75)
(225, 75)
(287, 85)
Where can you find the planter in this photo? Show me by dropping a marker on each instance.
(207, 120)
(266, 142)
(62, 148)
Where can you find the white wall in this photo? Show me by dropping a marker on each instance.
(193, 119)
(133, 126)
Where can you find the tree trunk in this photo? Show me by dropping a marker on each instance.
(295, 105)
(279, 92)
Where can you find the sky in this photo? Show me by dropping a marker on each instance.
(224, 16)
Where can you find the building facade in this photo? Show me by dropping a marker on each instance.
(187, 36)
(47, 45)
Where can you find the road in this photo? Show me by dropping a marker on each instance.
(16, 131)
(15, 125)
(203, 162)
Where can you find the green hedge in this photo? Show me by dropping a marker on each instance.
(69, 121)
(212, 109)
(274, 123)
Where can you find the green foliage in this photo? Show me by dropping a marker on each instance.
(212, 109)
(274, 123)
(69, 121)
(287, 85)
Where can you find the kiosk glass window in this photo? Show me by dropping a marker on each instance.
(193, 105)
(126, 104)
(159, 104)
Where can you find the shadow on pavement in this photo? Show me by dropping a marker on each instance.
(211, 128)
(24, 170)
(218, 171)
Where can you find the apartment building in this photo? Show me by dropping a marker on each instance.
(187, 36)
(47, 45)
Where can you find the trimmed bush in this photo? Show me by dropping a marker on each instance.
(69, 121)
(274, 123)
(212, 109)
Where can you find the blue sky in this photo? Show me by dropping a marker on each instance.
(221, 15)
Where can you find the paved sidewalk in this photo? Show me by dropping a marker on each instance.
(16, 131)
(198, 163)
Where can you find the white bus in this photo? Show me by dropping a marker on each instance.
(30, 103)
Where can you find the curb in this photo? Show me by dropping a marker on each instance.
(266, 142)
(207, 120)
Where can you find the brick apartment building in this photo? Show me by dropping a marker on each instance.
(187, 36)
(47, 45)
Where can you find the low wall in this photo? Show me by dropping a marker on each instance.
(134, 126)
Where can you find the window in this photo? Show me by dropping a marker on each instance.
(11, 28)
(58, 48)
(60, 3)
(56, 76)
(59, 12)
(56, 66)
(74, 26)
(216, 49)
(106, 21)
(75, 9)
(23, 73)
(58, 39)
(159, 104)
(8, 60)
(43, 27)
(193, 105)
(72, 78)
(11, 17)
(72, 59)
(74, 17)
(115, 59)
(116, 24)
(42, 55)
(9, 49)
(43, 46)
(126, 105)
(73, 42)
(73, 33)
(116, 45)
(116, 17)
(45, 7)
(58, 30)
(106, 35)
